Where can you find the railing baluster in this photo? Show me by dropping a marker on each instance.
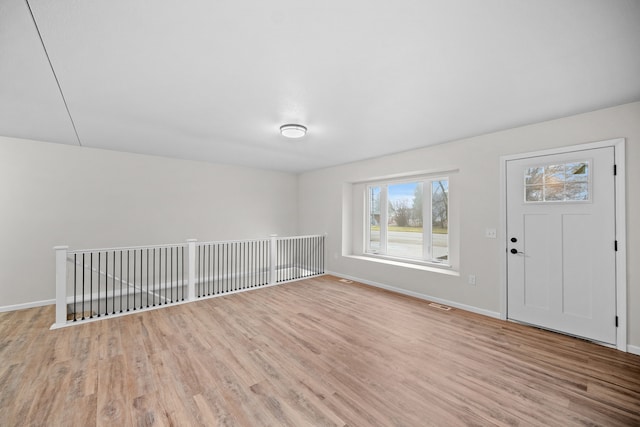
(147, 277)
(202, 267)
(322, 255)
(98, 274)
(228, 264)
(183, 285)
(171, 273)
(134, 280)
(106, 283)
(113, 284)
(98, 271)
(202, 270)
(246, 268)
(141, 281)
(319, 266)
(75, 290)
(241, 265)
(280, 244)
(245, 265)
(232, 269)
(166, 274)
(153, 277)
(83, 291)
(209, 271)
(90, 285)
(128, 287)
(121, 278)
(198, 266)
(215, 268)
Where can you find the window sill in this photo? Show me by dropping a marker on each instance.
(434, 268)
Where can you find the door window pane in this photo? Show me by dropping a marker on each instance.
(557, 183)
(533, 193)
(534, 176)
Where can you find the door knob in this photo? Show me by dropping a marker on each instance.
(515, 251)
(513, 239)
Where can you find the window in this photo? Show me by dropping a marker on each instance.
(409, 219)
(567, 182)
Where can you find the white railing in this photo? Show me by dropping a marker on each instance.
(98, 283)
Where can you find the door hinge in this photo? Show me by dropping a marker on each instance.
(616, 321)
(615, 245)
(615, 169)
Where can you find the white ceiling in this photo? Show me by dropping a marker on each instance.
(214, 80)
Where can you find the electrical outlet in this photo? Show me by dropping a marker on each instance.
(472, 279)
(490, 233)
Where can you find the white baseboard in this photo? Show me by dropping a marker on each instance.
(27, 305)
(633, 349)
(454, 304)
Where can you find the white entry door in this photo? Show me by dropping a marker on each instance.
(561, 256)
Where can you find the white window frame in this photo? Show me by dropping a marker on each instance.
(427, 182)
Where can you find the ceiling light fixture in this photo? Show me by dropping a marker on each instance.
(293, 131)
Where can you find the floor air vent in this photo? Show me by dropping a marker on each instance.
(345, 281)
(439, 306)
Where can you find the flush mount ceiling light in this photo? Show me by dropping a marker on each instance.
(293, 131)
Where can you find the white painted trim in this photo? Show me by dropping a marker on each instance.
(633, 349)
(430, 298)
(502, 239)
(398, 262)
(27, 305)
(618, 145)
(621, 237)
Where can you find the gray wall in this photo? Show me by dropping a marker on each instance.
(52, 194)
(325, 205)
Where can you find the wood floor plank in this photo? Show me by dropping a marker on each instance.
(316, 352)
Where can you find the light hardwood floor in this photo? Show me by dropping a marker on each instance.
(317, 353)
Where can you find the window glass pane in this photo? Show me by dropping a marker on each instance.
(374, 218)
(440, 219)
(404, 231)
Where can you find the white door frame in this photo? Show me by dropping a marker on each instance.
(621, 230)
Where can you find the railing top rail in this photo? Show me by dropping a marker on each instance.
(257, 240)
(128, 248)
(217, 242)
(299, 237)
(173, 245)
